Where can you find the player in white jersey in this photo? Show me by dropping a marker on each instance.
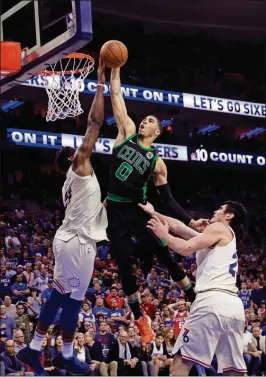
(74, 245)
(216, 322)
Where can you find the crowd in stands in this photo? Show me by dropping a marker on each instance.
(105, 325)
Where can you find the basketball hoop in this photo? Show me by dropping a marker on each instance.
(10, 58)
(63, 81)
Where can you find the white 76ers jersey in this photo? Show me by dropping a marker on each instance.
(217, 268)
(85, 214)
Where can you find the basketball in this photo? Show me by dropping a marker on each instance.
(114, 54)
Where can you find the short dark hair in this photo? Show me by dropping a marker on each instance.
(239, 212)
(62, 158)
(160, 126)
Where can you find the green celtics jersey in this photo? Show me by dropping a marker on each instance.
(131, 169)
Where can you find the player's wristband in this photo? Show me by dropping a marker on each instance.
(171, 207)
(102, 85)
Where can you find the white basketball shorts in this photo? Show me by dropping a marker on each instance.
(215, 325)
(74, 263)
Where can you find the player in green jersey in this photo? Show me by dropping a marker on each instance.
(133, 162)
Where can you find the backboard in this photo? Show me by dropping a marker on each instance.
(48, 29)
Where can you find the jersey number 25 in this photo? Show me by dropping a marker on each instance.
(233, 268)
(67, 197)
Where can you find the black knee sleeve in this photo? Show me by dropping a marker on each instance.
(176, 272)
(129, 282)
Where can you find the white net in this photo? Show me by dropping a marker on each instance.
(63, 82)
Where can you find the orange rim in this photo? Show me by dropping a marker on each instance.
(73, 55)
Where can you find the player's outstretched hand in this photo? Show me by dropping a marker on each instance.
(148, 208)
(160, 228)
(200, 224)
(101, 72)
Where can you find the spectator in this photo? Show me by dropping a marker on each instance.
(251, 356)
(8, 324)
(174, 293)
(103, 250)
(50, 256)
(86, 318)
(46, 293)
(147, 363)
(125, 355)
(158, 317)
(11, 237)
(46, 356)
(159, 354)
(20, 212)
(257, 295)
(163, 281)
(260, 343)
(83, 354)
(111, 263)
(23, 319)
(5, 283)
(133, 338)
(29, 275)
(58, 346)
(19, 271)
(2, 257)
(99, 309)
(9, 271)
(3, 339)
(12, 259)
(262, 309)
(245, 296)
(10, 308)
(96, 292)
(152, 276)
(179, 316)
(12, 365)
(105, 338)
(34, 300)
(37, 270)
(147, 306)
(117, 315)
(41, 282)
(36, 250)
(114, 295)
(19, 341)
(155, 326)
(167, 317)
(96, 353)
(169, 341)
(25, 258)
(20, 291)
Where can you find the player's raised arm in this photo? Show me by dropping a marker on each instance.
(171, 206)
(210, 236)
(95, 121)
(125, 124)
(175, 225)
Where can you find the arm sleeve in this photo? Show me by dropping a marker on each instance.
(170, 205)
